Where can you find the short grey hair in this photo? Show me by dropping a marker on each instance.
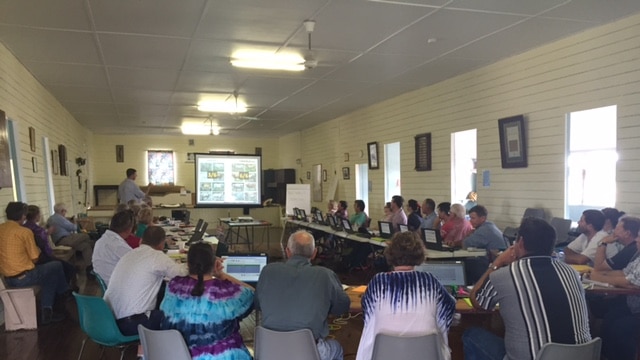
(301, 243)
(458, 210)
(57, 208)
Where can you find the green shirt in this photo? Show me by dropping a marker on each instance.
(358, 219)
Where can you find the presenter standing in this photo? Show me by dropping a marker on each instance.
(128, 190)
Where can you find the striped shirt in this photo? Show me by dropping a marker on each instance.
(541, 300)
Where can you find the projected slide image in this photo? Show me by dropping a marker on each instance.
(218, 187)
(250, 186)
(205, 186)
(251, 196)
(228, 180)
(237, 187)
(238, 196)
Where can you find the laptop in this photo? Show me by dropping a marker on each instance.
(433, 240)
(403, 227)
(386, 229)
(302, 215)
(198, 234)
(449, 273)
(346, 227)
(245, 267)
(319, 218)
(334, 223)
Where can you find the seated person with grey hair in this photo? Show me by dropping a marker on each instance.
(296, 295)
(65, 233)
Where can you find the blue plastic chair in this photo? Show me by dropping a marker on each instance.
(98, 322)
(103, 285)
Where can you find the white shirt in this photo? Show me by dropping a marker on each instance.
(136, 280)
(582, 245)
(107, 252)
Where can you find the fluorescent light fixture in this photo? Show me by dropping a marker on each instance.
(222, 107)
(195, 129)
(268, 61)
(200, 129)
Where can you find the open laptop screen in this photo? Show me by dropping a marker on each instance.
(386, 228)
(346, 224)
(403, 228)
(430, 236)
(449, 273)
(245, 267)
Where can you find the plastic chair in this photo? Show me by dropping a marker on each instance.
(103, 285)
(534, 212)
(407, 347)
(98, 322)
(278, 345)
(163, 344)
(587, 351)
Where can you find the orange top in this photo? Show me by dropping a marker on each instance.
(18, 250)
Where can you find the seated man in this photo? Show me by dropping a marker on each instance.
(296, 295)
(625, 233)
(541, 299)
(582, 250)
(133, 289)
(18, 255)
(112, 245)
(358, 219)
(486, 234)
(64, 233)
(429, 213)
(621, 325)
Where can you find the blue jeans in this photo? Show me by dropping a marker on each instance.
(329, 349)
(480, 344)
(50, 278)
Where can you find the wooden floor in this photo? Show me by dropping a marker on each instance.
(62, 341)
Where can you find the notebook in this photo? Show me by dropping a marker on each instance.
(386, 229)
(245, 267)
(449, 273)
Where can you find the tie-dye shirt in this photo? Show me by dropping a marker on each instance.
(408, 303)
(208, 323)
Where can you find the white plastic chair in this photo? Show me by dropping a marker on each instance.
(163, 344)
(587, 351)
(279, 345)
(388, 347)
(19, 307)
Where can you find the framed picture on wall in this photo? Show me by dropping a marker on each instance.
(372, 148)
(513, 142)
(345, 173)
(55, 162)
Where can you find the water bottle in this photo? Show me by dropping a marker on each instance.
(561, 256)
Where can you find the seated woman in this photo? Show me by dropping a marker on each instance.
(145, 219)
(414, 220)
(388, 213)
(41, 236)
(207, 306)
(405, 301)
(456, 228)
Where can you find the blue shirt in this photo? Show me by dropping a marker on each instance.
(128, 190)
(62, 227)
(486, 236)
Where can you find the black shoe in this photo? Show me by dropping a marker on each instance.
(48, 316)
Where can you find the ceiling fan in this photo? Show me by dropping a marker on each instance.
(310, 60)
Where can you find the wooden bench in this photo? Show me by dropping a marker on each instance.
(19, 306)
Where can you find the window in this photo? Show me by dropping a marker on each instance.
(591, 160)
(391, 170)
(362, 184)
(161, 167)
(463, 166)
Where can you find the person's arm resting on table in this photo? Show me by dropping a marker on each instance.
(483, 295)
(572, 257)
(614, 277)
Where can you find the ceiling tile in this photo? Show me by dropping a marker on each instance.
(143, 51)
(152, 79)
(375, 68)
(156, 17)
(143, 96)
(45, 14)
(596, 10)
(68, 74)
(67, 93)
(91, 108)
(205, 82)
(321, 93)
(522, 7)
(439, 70)
(50, 45)
(142, 110)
